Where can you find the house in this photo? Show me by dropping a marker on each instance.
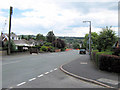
(5, 37)
(32, 42)
(116, 48)
(21, 44)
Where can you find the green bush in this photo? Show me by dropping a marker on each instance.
(63, 49)
(44, 48)
(51, 49)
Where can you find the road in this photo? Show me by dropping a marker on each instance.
(40, 71)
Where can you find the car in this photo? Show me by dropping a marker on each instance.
(82, 51)
(34, 50)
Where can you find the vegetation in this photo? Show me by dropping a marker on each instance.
(106, 61)
(106, 39)
(94, 37)
(44, 48)
(50, 37)
(40, 37)
(12, 46)
(76, 46)
(58, 43)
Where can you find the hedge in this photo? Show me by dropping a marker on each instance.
(109, 63)
(44, 48)
(106, 61)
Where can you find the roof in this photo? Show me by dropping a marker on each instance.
(13, 35)
(21, 42)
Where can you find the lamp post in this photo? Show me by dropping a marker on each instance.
(89, 36)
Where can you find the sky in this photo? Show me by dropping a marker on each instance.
(64, 17)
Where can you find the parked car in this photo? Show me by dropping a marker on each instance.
(34, 50)
(82, 51)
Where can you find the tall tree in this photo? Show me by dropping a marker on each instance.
(40, 37)
(106, 39)
(50, 36)
(29, 37)
(58, 43)
(94, 37)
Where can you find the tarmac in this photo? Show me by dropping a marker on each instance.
(84, 69)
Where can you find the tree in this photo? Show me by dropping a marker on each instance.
(50, 36)
(12, 47)
(76, 46)
(94, 37)
(40, 37)
(58, 43)
(106, 39)
(29, 37)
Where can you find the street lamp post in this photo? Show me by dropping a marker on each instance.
(89, 36)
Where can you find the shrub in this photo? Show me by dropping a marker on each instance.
(44, 48)
(106, 61)
(51, 49)
(109, 63)
(63, 49)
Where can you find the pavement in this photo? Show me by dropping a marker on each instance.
(83, 68)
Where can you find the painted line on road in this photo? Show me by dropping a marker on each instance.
(51, 70)
(46, 72)
(21, 84)
(32, 79)
(55, 69)
(40, 75)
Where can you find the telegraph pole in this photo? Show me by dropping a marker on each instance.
(9, 30)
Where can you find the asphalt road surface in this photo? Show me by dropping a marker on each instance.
(40, 71)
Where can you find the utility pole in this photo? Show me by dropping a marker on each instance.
(9, 30)
(89, 36)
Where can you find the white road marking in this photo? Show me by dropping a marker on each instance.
(32, 79)
(108, 81)
(83, 62)
(55, 69)
(40, 75)
(46, 72)
(51, 70)
(21, 84)
(10, 87)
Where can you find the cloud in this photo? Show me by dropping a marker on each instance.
(40, 16)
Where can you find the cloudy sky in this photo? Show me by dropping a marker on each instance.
(64, 17)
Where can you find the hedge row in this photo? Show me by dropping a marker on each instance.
(106, 61)
(109, 63)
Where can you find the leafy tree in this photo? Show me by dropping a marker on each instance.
(59, 43)
(50, 36)
(106, 39)
(76, 46)
(29, 37)
(40, 37)
(12, 45)
(94, 37)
